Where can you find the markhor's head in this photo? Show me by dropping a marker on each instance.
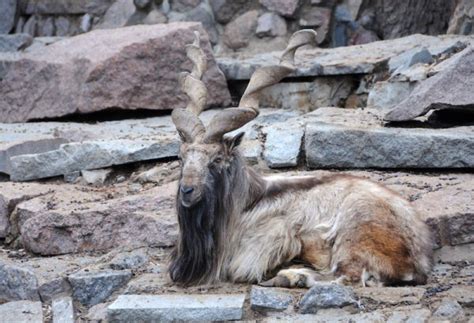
(204, 151)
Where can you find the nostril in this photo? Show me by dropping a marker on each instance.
(186, 189)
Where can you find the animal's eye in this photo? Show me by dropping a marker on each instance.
(217, 160)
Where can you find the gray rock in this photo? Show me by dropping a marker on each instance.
(94, 78)
(17, 284)
(326, 146)
(450, 88)
(7, 15)
(412, 315)
(46, 27)
(63, 310)
(409, 58)
(326, 296)
(363, 59)
(202, 14)
(98, 313)
(63, 25)
(155, 17)
(72, 177)
(449, 309)
(285, 8)
(65, 7)
(392, 295)
(283, 144)
(86, 23)
(455, 254)
(54, 288)
(95, 287)
(384, 95)
(184, 5)
(145, 219)
(89, 155)
(270, 24)
(16, 42)
(225, 10)
(31, 26)
(22, 312)
(238, 32)
(142, 4)
(318, 18)
(462, 20)
(164, 308)
(268, 299)
(117, 15)
(308, 96)
(129, 260)
(96, 177)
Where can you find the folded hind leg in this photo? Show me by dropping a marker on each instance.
(372, 254)
(315, 252)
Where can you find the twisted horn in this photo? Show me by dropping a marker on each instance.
(233, 118)
(189, 126)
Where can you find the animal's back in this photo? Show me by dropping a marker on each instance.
(358, 229)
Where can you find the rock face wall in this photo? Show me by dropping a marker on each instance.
(243, 24)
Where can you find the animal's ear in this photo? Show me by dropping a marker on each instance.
(232, 142)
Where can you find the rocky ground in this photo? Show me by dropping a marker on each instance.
(75, 226)
(88, 152)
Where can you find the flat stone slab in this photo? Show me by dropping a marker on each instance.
(334, 146)
(341, 138)
(39, 150)
(63, 310)
(359, 59)
(21, 312)
(166, 308)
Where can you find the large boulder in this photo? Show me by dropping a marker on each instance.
(450, 88)
(75, 224)
(7, 15)
(128, 68)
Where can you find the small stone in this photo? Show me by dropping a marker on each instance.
(323, 296)
(96, 177)
(16, 42)
(385, 95)
(129, 260)
(412, 315)
(184, 5)
(117, 15)
(63, 25)
(63, 310)
(319, 18)
(449, 309)
(225, 10)
(285, 8)
(268, 299)
(46, 27)
(155, 17)
(283, 144)
(154, 308)
(31, 26)
(22, 312)
(17, 283)
(409, 58)
(142, 4)
(51, 289)
(86, 23)
(98, 313)
(238, 32)
(95, 287)
(271, 24)
(72, 177)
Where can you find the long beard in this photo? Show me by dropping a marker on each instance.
(195, 259)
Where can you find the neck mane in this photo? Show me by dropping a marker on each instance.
(197, 257)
